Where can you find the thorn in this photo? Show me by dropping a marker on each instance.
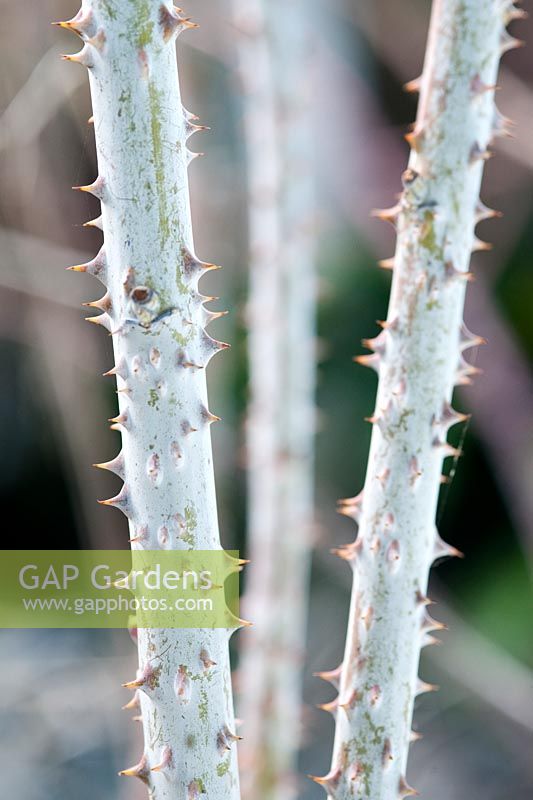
(351, 507)
(193, 156)
(348, 552)
(140, 770)
(104, 303)
(97, 188)
(423, 599)
(166, 760)
(191, 128)
(479, 245)
(331, 676)
(85, 57)
(210, 346)
(81, 24)
(468, 339)
(208, 417)
(452, 273)
(331, 707)
(428, 640)
(414, 736)
(386, 263)
(429, 624)
(330, 781)
(140, 536)
(172, 24)
(502, 126)
(372, 361)
(134, 703)
(508, 42)
(404, 790)
(465, 372)
(207, 660)
(101, 319)
(211, 316)
(121, 370)
(97, 267)
(188, 24)
(423, 688)
(349, 501)
(120, 419)
(483, 212)
(444, 550)
(449, 417)
(389, 326)
(447, 449)
(146, 678)
(378, 344)
(226, 738)
(353, 698)
(477, 154)
(189, 116)
(415, 139)
(116, 465)
(387, 214)
(477, 86)
(94, 223)
(512, 13)
(120, 501)
(412, 87)
(349, 511)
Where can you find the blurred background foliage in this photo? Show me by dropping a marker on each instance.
(61, 703)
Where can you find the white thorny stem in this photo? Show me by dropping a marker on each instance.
(274, 64)
(157, 319)
(418, 356)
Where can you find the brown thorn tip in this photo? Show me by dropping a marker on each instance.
(133, 703)
(138, 771)
(405, 790)
(413, 86)
(136, 684)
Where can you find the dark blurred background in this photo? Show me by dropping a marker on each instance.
(61, 729)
